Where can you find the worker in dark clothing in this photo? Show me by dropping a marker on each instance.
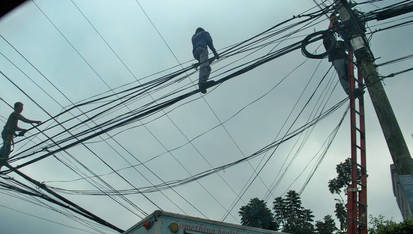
(201, 40)
(337, 55)
(10, 129)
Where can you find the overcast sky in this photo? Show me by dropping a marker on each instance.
(86, 47)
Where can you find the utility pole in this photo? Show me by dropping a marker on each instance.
(355, 35)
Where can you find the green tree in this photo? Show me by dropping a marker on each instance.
(257, 214)
(341, 214)
(378, 225)
(280, 211)
(327, 226)
(343, 178)
(337, 186)
(291, 215)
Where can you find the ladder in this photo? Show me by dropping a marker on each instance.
(357, 190)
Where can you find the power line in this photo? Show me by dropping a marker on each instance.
(162, 105)
(61, 149)
(395, 60)
(285, 135)
(282, 171)
(257, 63)
(323, 153)
(153, 135)
(101, 79)
(34, 196)
(45, 219)
(396, 73)
(70, 205)
(207, 103)
(255, 174)
(174, 183)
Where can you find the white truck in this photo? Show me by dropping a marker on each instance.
(161, 222)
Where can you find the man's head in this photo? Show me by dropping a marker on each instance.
(198, 30)
(333, 20)
(18, 107)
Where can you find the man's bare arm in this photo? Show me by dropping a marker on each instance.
(22, 118)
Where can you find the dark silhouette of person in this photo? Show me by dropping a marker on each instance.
(337, 55)
(201, 40)
(10, 129)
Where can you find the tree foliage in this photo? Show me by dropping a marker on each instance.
(337, 186)
(327, 226)
(291, 215)
(343, 178)
(378, 225)
(341, 214)
(257, 214)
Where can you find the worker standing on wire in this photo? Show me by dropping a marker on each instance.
(200, 41)
(337, 54)
(9, 131)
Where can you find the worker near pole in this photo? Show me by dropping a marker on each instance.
(337, 54)
(10, 129)
(201, 40)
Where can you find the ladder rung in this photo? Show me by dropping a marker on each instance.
(359, 165)
(362, 185)
(358, 112)
(363, 204)
(360, 148)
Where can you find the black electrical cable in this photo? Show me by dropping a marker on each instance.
(167, 103)
(281, 173)
(328, 143)
(396, 73)
(406, 23)
(314, 37)
(212, 128)
(61, 149)
(174, 183)
(285, 135)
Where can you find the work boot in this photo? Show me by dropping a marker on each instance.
(203, 86)
(210, 83)
(202, 89)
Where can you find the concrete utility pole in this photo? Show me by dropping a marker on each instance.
(355, 34)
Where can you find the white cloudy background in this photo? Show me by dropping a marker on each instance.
(87, 47)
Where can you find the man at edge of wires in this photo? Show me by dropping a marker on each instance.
(9, 131)
(338, 57)
(200, 41)
(337, 54)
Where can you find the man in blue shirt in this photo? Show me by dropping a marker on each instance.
(9, 131)
(201, 40)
